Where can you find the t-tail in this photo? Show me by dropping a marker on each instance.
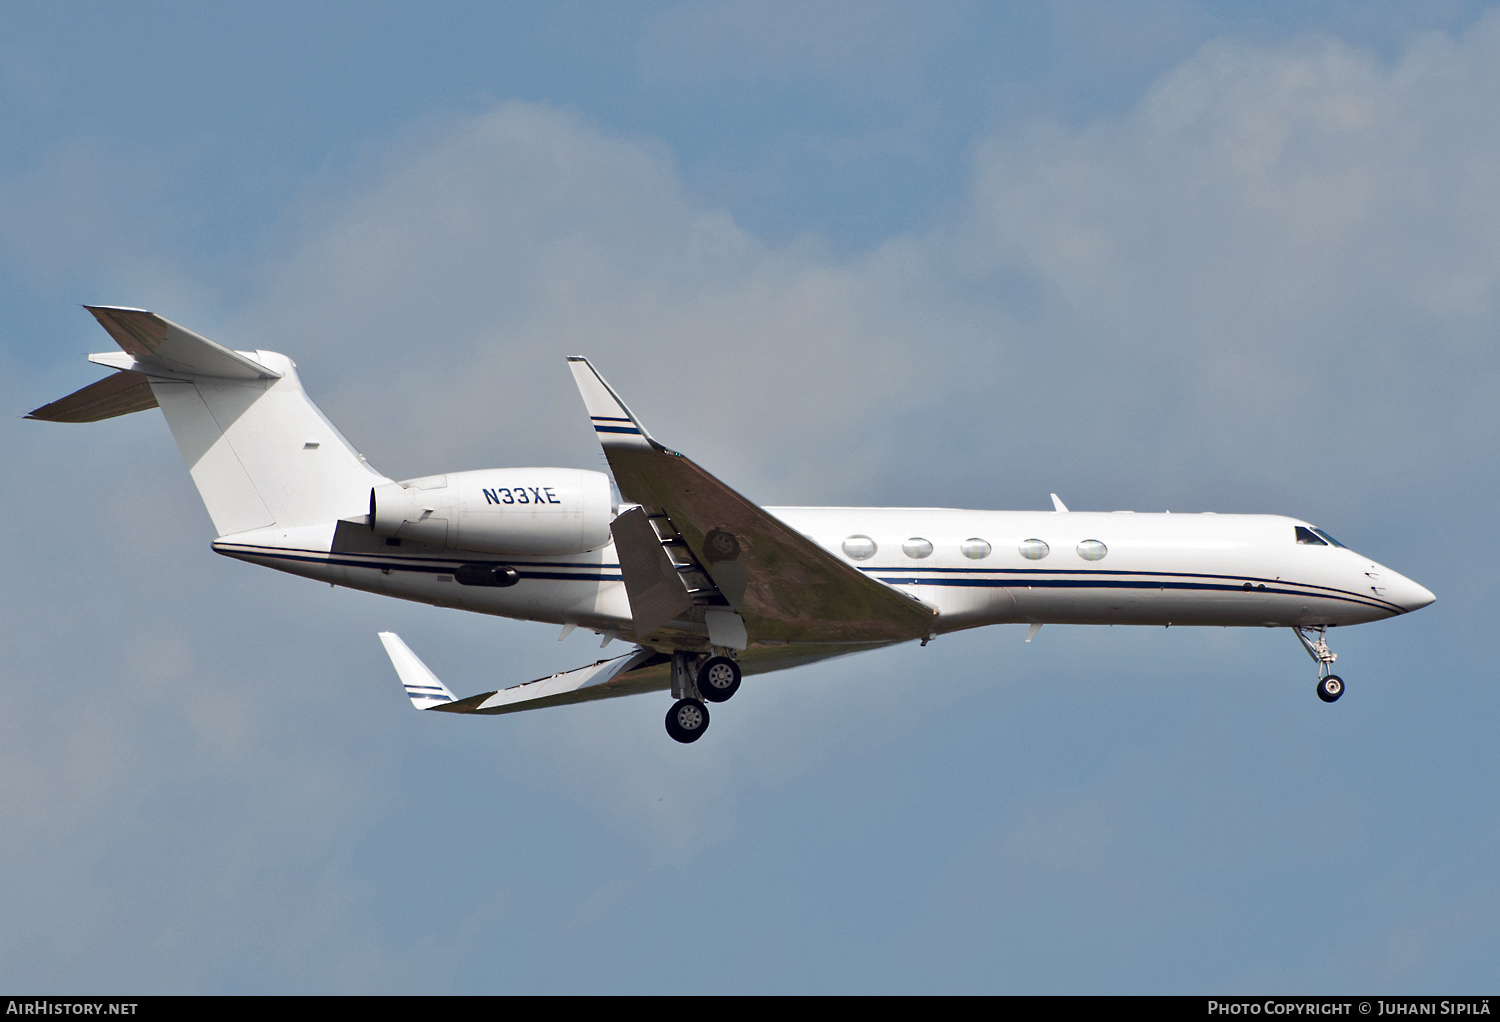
(260, 452)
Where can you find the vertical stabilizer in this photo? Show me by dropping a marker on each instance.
(261, 453)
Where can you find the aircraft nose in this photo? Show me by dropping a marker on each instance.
(1407, 594)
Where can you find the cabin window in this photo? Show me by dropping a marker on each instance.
(1034, 549)
(975, 549)
(1307, 537)
(917, 548)
(1092, 550)
(859, 548)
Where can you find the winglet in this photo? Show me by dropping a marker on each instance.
(612, 421)
(422, 686)
(1057, 505)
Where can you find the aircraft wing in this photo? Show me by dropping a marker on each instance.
(783, 586)
(638, 671)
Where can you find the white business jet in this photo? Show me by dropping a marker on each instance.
(705, 584)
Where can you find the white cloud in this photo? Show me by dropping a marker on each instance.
(1277, 255)
(1275, 251)
(500, 243)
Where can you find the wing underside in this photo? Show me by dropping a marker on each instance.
(637, 671)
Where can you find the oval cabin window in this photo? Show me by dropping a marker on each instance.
(1034, 549)
(1092, 550)
(974, 549)
(917, 548)
(859, 548)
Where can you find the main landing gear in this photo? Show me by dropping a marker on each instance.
(1330, 685)
(694, 680)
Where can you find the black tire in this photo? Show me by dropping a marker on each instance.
(687, 720)
(1330, 688)
(718, 679)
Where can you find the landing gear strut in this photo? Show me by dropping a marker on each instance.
(1330, 685)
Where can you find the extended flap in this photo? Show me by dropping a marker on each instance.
(652, 583)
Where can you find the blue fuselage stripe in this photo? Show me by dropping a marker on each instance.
(1017, 578)
(1116, 579)
(580, 573)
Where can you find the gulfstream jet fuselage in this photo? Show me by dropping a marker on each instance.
(706, 585)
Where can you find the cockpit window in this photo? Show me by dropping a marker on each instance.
(1307, 537)
(1330, 539)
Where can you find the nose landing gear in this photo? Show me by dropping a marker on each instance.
(1313, 639)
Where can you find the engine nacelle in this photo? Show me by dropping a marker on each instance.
(534, 511)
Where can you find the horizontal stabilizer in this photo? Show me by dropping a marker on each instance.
(260, 452)
(119, 394)
(158, 343)
(640, 671)
(421, 684)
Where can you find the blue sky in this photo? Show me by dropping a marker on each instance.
(1157, 255)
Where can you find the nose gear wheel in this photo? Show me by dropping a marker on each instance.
(1330, 688)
